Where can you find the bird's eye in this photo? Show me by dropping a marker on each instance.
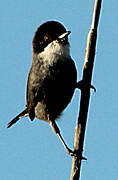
(47, 38)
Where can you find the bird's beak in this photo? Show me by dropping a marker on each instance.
(64, 35)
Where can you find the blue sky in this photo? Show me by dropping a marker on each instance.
(29, 150)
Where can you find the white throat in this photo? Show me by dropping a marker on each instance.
(54, 50)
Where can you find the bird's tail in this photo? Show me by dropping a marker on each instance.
(18, 117)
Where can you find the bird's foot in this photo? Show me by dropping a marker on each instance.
(75, 154)
(84, 85)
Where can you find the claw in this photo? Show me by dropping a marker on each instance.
(83, 84)
(75, 153)
(93, 87)
(84, 158)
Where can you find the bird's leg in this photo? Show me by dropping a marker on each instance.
(56, 130)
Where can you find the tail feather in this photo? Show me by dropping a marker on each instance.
(18, 117)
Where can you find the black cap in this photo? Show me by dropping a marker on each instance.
(46, 33)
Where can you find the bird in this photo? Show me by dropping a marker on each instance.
(52, 77)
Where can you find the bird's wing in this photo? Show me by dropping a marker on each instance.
(34, 89)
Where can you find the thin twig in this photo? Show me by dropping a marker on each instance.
(85, 92)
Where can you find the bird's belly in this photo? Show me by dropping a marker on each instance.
(40, 112)
(57, 88)
(55, 101)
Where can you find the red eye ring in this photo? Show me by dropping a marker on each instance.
(47, 38)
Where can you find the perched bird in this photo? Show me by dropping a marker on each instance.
(52, 77)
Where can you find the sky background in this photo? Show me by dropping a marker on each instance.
(29, 150)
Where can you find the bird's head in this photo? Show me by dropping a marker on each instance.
(47, 33)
